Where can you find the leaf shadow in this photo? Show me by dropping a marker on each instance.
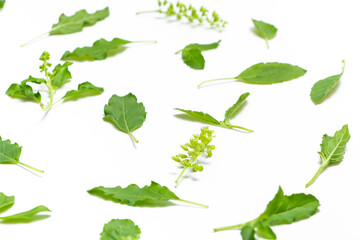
(33, 219)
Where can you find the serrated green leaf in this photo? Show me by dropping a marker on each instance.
(120, 229)
(265, 30)
(322, 88)
(248, 233)
(26, 216)
(10, 154)
(61, 74)
(23, 91)
(332, 150)
(125, 113)
(232, 110)
(85, 89)
(76, 22)
(269, 73)
(192, 54)
(99, 51)
(205, 117)
(5, 201)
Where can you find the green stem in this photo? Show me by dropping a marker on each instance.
(32, 168)
(198, 204)
(267, 44)
(35, 38)
(213, 80)
(132, 137)
(246, 129)
(343, 67)
(151, 11)
(238, 226)
(323, 166)
(51, 92)
(181, 174)
(143, 41)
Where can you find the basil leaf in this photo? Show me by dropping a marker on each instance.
(133, 195)
(84, 89)
(120, 229)
(232, 110)
(265, 231)
(205, 117)
(332, 150)
(76, 22)
(61, 74)
(323, 88)
(23, 91)
(2, 2)
(6, 202)
(265, 30)
(125, 113)
(26, 216)
(248, 233)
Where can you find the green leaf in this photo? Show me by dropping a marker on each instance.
(23, 91)
(192, 54)
(265, 30)
(61, 74)
(265, 231)
(76, 22)
(205, 117)
(26, 216)
(10, 154)
(248, 233)
(99, 51)
(84, 89)
(332, 150)
(322, 88)
(132, 195)
(5, 201)
(2, 2)
(122, 229)
(125, 113)
(266, 73)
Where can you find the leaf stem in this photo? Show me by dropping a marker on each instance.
(32, 168)
(181, 174)
(132, 137)
(323, 166)
(243, 128)
(143, 41)
(151, 11)
(34, 39)
(228, 227)
(213, 80)
(198, 204)
(267, 43)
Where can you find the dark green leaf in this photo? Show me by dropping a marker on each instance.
(122, 229)
(2, 2)
(232, 110)
(265, 30)
(26, 216)
(248, 232)
(269, 73)
(125, 113)
(193, 58)
(76, 22)
(265, 231)
(84, 89)
(205, 117)
(61, 74)
(322, 88)
(99, 51)
(33, 80)
(5, 201)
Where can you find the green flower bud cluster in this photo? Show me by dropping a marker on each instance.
(45, 56)
(197, 146)
(180, 10)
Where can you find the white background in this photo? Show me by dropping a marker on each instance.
(79, 151)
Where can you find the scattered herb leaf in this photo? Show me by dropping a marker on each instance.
(10, 154)
(323, 87)
(282, 209)
(84, 89)
(198, 146)
(265, 30)
(26, 216)
(133, 195)
(123, 229)
(125, 113)
(192, 54)
(2, 2)
(181, 11)
(53, 80)
(100, 50)
(205, 117)
(332, 150)
(266, 73)
(6, 201)
(75, 23)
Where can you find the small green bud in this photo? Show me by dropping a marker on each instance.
(184, 147)
(175, 158)
(182, 155)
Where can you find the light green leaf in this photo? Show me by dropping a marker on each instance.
(23, 91)
(26, 216)
(61, 74)
(322, 88)
(76, 22)
(133, 195)
(2, 2)
(5, 201)
(99, 51)
(332, 150)
(192, 54)
(10, 154)
(265, 231)
(120, 229)
(265, 30)
(84, 89)
(125, 113)
(205, 117)
(232, 110)
(248, 232)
